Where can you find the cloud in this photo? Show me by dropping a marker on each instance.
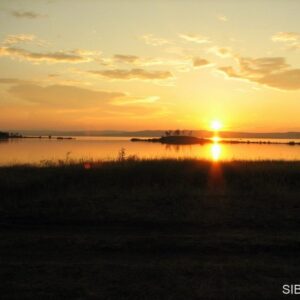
(62, 105)
(291, 39)
(62, 95)
(75, 56)
(19, 38)
(25, 14)
(222, 18)
(182, 61)
(144, 100)
(13, 81)
(53, 75)
(195, 38)
(14, 39)
(286, 37)
(200, 62)
(257, 67)
(84, 52)
(140, 62)
(221, 51)
(152, 40)
(269, 71)
(126, 58)
(285, 80)
(140, 74)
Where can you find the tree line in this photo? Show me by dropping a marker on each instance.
(178, 132)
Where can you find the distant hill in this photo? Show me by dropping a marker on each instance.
(158, 133)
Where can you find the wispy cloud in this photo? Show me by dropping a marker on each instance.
(286, 37)
(290, 39)
(19, 38)
(26, 14)
(126, 58)
(222, 18)
(73, 56)
(269, 71)
(14, 81)
(131, 74)
(140, 62)
(221, 51)
(152, 40)
(195, 38)
(132, 100)
(23, 38)
(200, 62)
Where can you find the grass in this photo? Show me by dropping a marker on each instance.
(149, 229)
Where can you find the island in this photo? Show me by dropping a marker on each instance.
(173, 138)
(176, 140)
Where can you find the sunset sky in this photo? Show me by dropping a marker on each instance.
(133, 65)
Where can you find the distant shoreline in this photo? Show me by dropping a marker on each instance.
(37, 137)
(158, 133)
(169, 140)
(191, 140)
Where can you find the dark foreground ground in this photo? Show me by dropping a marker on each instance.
(150, 230)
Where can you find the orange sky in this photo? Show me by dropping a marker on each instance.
(135, 65)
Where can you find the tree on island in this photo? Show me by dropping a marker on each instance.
(178, 132)
(168, 132)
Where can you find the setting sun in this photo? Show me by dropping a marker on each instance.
(216, 125)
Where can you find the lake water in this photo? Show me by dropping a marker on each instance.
(105, 148)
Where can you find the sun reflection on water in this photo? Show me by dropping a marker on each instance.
(216, 149)
(216, 152)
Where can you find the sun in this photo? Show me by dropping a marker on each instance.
(216, 125)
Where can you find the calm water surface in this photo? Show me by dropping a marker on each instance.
(106, 148)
